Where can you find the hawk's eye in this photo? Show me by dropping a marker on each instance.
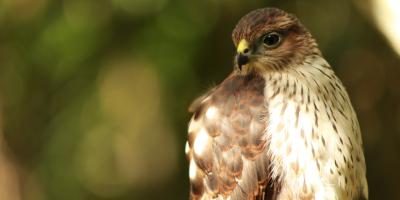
(272, 39)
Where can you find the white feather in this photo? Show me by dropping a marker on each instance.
(300, 159)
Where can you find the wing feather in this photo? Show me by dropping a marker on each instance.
(227, 142)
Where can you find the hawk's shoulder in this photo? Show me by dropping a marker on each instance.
(226, 141)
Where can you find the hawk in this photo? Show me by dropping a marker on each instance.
(280, 126)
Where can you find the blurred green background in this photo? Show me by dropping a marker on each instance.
(94, 93)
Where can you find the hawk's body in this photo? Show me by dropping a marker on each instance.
(282, 129)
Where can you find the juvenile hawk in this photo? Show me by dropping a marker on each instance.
(281, 126)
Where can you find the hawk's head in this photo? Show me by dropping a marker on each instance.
(271, 39)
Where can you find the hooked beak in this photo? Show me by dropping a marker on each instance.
(243, 51)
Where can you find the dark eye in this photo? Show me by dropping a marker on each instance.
(272, 39)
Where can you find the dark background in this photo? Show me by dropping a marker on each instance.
(94, 93)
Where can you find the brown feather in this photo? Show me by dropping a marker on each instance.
(235, 163)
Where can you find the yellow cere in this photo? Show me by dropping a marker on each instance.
(243, 44)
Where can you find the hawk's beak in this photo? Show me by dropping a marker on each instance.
(242, 56)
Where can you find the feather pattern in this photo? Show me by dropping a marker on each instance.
(227, 151)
